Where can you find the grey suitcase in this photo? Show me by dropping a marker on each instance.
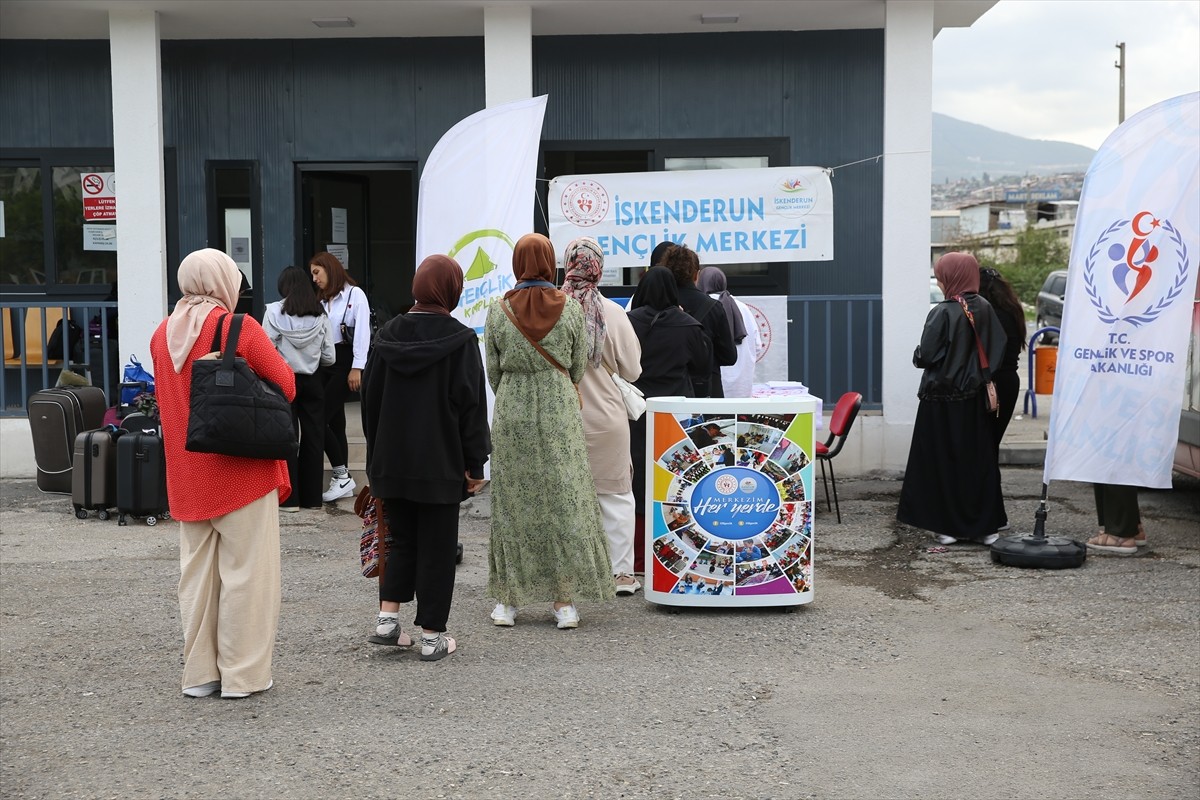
(56, 417)
(94, 472)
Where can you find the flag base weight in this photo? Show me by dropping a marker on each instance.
(1038, 551)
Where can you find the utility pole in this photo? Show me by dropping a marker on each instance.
(1120, 65)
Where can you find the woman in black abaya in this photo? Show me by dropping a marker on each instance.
(952, 482)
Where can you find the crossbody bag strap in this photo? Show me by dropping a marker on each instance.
(512, 318)
(983, 360)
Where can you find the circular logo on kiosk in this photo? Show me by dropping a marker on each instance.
(734, 503)
(726, 484)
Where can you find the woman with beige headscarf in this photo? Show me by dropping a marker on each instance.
(547, 542)
(613, 347)
(227, 507)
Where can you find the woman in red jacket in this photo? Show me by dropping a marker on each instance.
(227, 507)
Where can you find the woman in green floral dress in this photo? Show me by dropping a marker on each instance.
(547, 543)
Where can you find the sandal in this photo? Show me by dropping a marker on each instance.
(437, 649)
(396, 639)
(1107, 543)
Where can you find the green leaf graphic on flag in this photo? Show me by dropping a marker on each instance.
(481, 263)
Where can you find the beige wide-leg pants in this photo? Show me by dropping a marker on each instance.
(229, 589)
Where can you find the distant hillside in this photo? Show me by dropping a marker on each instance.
(966, 150)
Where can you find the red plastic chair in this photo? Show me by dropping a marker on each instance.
(840, 422)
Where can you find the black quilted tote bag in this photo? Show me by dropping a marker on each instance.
(234, 412)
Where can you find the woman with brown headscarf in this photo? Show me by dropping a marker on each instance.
(227, 507)
(424, 417)
(547, 541)
(952, 482)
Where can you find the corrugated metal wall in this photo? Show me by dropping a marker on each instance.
(823, 91)
(282, 102)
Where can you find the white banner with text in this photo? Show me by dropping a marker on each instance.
(728, 216)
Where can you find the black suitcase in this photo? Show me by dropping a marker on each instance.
(94, 472)
(141, 477)
(137, 422)
(56, 417)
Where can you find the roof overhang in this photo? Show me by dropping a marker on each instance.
(272, 19)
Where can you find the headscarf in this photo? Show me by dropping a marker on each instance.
(437, 285)
(537, 305)
(584, 263)
(958, 273)
(207, 278)
(712, 281)
(657, 290)
(657, 254)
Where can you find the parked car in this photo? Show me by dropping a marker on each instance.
(1049, 305)
(935, 293)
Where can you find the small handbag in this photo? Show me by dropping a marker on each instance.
(513, 319)
(375, 539)
(631, 396)
(234, 412)
(989, 387)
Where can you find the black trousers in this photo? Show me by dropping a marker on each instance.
(421, 559)
(1117, 509)
(306, 470)
(335, 392)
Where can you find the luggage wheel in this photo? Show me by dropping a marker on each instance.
(151, 520)
(80, 512)
(103, 514)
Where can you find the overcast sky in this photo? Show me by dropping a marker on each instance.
(1043, 69)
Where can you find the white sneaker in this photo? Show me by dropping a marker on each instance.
(339, 486)
(203, 690)
(566, 617)
(944, 539)
(504, 616)
(990, 539)
(243, 695)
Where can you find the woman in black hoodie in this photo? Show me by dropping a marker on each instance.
(424, 415)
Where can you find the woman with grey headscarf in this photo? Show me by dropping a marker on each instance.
(737, 380)
(612, 347)
(227, 506)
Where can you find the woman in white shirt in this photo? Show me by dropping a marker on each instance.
(350, 319)
(737, 379)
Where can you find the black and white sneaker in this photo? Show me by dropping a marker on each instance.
(339, 486)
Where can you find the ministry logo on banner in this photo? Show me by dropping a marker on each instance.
(1131, 282)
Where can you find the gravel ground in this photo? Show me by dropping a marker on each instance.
(912, 675)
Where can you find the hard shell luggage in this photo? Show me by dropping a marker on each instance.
(94, 472)
(136, 422)
(56, 417)
(141, 477)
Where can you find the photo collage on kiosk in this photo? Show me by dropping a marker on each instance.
(713, 554)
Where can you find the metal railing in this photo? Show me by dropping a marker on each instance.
(87, 347)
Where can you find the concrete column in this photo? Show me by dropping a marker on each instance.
(507, 53)
(138, 164)
(907, 171)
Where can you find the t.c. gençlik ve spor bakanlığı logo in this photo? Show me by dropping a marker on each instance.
(1133, 266)
(584, 203)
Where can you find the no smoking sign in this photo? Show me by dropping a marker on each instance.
(99, 195)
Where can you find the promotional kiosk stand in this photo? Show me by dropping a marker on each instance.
(729, 510)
